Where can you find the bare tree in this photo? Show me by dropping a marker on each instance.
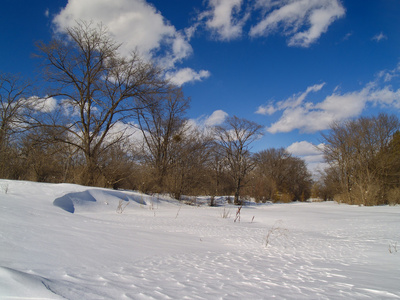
(356, 149)
(97, 89)
(14, 92)
(216, 167)
(235, 137)
(279, 174)
(161, 125)
(14, 108)
(188, 157)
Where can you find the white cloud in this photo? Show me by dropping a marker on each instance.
(223, 18)
(268, 109)
(385, 96)
(379, 37)
(312, 117)
(293, 16)
(206, 124)
(292, 102)
(310, 153)
(126, 131)
(45, 105)
(388, 75)
(303, 21)
(135, 24)
(305, 148)
(186, 75)
(216, 118)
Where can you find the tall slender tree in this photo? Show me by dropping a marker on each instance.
(161, 124)
(14, 112)
(235, 137)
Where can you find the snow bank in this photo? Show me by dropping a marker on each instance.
(63, 241)
(16, 285)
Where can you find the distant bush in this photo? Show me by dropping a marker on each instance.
(393, 196)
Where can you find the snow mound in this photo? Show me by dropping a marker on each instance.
(93, 199)
(20, 285)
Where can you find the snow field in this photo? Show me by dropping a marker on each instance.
(63, 241)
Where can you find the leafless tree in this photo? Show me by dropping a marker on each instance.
(190, 152)
(356, 149)
(14, 94)
(117, 166)
(96, 87)
(162, 124)
(278, 173)
(216, 169)
(235, 137)
(14, 112)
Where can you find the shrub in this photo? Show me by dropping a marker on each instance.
(393, 196)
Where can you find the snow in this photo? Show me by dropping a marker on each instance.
(64, 241)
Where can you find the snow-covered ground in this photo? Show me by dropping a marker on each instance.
(63, 241)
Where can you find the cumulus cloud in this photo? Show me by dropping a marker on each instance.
(305, 148)
(303, 21)
(206, 124)
(306, 116)
(137, 25)
(310, 153)
(45, 105)
(217, 117)
(311, 117)
(185, 75)
(223, 18)
(125, 131)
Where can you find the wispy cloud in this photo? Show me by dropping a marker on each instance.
(379, 37)
(313, 116)
(302, 21)
(292, 17)
(388, 75)
(347, 36)
(292, 102)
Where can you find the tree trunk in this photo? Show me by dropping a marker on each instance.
(237, 200)
(89, 176)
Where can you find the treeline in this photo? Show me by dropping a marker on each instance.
(114, 121)
(364, 161)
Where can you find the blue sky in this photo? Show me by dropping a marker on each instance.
(293, 66)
